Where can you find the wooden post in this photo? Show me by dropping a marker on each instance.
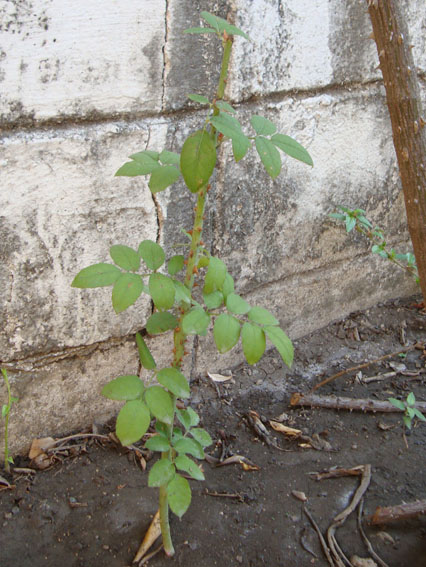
(404, 104)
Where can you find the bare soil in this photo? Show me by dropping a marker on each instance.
(92, 507)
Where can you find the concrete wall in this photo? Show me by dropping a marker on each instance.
(83, 88)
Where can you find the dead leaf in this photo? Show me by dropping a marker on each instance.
(219, 377)
(385, 538)
(152, 534)
(42, 461)
(5, 482)
(240, 460)
(248, 467)
(299, 495)
(305, 445)
(397, 366)
(288, 431)
(385, 426)
(39, 446)
(282, 417)
(362, 562)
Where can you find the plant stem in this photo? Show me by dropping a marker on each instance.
(179, 336)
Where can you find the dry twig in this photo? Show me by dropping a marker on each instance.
(340, 402)
(365, 538)
(384, 515)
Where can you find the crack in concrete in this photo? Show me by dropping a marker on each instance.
(166, 59)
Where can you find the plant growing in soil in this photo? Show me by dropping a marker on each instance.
(356, 219)
(194, 290)
(407, 406)
(5, 411)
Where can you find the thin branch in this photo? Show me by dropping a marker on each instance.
(365, 538)
(384, 515)
(340, 402)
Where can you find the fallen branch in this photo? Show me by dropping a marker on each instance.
(384, 515)
(340, 402)
(337, 473)
(418, 346)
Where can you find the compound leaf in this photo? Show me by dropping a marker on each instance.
(175, 264)
(237, 304)
(201, 436)
(262, 125)
(145, 356)
(221, 25)
(184, 463)
(215, 276)
(163, 177)
(188, 446)
(169, 158)
(195, 322)
(162, 291)
(262, 316)
(157, 443)
(199, 98)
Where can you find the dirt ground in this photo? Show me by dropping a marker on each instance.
(92, 507)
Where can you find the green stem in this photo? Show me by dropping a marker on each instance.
(179, 336)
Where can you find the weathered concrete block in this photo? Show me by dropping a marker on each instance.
(80, 59)
(61, 210)
(308, 44)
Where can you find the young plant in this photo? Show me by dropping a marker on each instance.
(190, 292)
(356, 219)
(410, 412)
(5, 411)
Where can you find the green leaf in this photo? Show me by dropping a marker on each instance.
(240, 146)
(215, 276)
(199, 30)
(411, 400)
(132, 422)
(162, 429)
(407, 421)
(157, 443)
(195, 322)
(162, 177)
(419, 414)
(145, 356)
(262, 125)
(147, 157)
(188, 417)
(227, 125)
(142, 166)
(161, 473)
(184, 463)
(237, 304)
(174, 381)
(292, 148)
(201, 436)
(98, 275)
(213, 300)
(4, 410)
(337, 216)
(197, 160)
(129, 387)
(179, 495)
(161, 322)
(223, 105)
(262, 316)
(182, 293)
(175, 264)
(126, 291)
(282, 343)
(190, 447)
(350, 225)
(199, 98)
(226, 332)
(269, 156)
(221, 25)
(162, 291)
(125, 257)
(160, 404)
(152, 254)
(397, 403)
(169, 158)
(254, 342)
(228, 285)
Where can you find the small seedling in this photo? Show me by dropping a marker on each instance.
(407, 406)
(356, 219)
(5, 411)
(193, 292)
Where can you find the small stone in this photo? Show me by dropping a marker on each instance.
(239, 558)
